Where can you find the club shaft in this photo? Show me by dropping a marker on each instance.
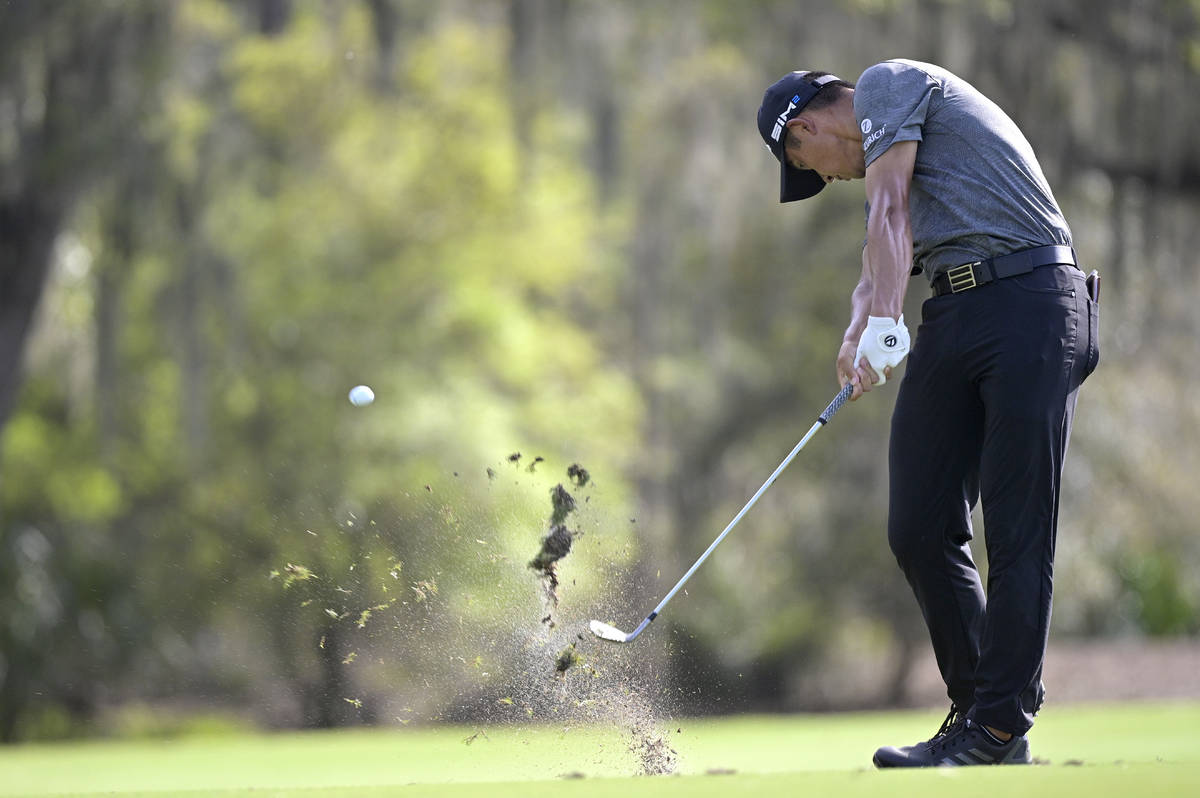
(741, 513)
(833, 407)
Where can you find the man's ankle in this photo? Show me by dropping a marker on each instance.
(1002, 736)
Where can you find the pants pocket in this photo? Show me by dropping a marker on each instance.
(1093, 333)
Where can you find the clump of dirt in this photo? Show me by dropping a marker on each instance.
(567, 658)
(555, 545)
(578, 474)
(563, 504)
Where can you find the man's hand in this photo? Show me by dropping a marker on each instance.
(847, 373)
(863, 377)
(883, 345)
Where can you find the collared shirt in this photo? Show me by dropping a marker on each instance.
(977, 189)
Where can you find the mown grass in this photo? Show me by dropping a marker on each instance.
(1111, 750)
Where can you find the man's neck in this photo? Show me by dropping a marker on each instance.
(847, 122)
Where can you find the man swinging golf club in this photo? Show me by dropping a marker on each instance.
(985, 406)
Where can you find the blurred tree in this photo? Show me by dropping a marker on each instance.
(67, 102)
(218, 438)
(67, 106)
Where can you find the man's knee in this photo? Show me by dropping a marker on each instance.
(909, 542)
(915, 541)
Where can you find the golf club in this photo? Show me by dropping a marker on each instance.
(606, 632)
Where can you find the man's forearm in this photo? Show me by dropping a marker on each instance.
(889, 251)
(889, 259)
(860, 304)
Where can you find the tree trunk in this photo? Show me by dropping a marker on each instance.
(273, 16)
(385, 19)
(28, 228)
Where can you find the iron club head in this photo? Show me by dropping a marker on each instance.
(606, 632)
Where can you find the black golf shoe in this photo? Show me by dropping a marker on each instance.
(960, 741)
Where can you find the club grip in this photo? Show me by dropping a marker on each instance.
(837, 403)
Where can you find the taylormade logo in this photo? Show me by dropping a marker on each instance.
(890, 341)
(783, 118)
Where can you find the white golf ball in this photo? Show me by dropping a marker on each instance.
(361, 396)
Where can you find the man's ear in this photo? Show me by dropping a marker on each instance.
(801, 124)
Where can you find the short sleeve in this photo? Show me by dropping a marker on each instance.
(891, 102)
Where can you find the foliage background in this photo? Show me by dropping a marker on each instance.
(537, 226)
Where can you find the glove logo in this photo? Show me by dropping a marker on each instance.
(890, 341)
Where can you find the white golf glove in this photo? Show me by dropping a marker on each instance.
(883, 343)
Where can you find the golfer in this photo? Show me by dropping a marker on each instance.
(984, 410)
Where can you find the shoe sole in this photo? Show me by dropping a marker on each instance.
(881, 765)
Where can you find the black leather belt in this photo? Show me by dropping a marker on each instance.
(981, 272)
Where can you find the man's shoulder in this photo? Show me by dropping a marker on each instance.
(892, 102)
(901, 70)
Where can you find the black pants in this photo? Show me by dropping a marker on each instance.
(985, 410)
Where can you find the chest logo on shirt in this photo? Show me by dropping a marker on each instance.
(865, 126)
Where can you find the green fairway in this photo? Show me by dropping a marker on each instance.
(1148, 749)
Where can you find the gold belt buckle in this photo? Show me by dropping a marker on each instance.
(962, 277)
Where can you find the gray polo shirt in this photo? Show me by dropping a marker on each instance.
(977, 189)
